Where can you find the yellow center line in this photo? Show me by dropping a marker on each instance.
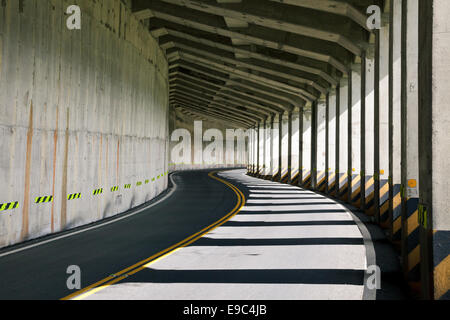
(123, 274)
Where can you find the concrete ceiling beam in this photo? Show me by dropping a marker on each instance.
(281, 86)
(263, 92)
(245, 102)
(255, 67)
(274, 108)
(223, 104)
(245, 14)
(217, 96)
(182, 35)
(334, 7)
(285, 45)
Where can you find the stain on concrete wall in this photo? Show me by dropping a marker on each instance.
(72, 103)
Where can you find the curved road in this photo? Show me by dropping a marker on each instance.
(284, 243)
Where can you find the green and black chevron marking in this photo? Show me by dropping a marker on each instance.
(74, 196)
(114, 189)
(9, 206)
(139, 184)
(147, 181)
(46, 199)
(128, 186)
(97, 192)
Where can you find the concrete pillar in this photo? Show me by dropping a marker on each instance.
(395, 75)
(258, 148)
(343, 140)
(362, 140)
(327, 142)
(384, 172)
(276, 148)
(285, 148)
(295, 147)
(410, 142)
(332, 138)
(301, 119)
(267, 149)
(321, 143)
(369, 132)
(272, 147)
(355, 171)
(289, 147)
(280, 147)
(337, 152)
(307, 148)
(313, 153)
(434, 148)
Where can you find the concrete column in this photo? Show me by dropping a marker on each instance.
(410, 142)
(321, 143)
(369, 132)
(337, 152)
(280, 147)
(332, 138)
(314, 145)
(362, 140)
(258, 149)
(301, 119)
(343, 140)
(356, 137)
(276, 148)
(285, 155)
(395, 75)
(327, 143)
(434, 148)
(295, 144)
(267, 149)
(384, 126)
(307, 147)
(289, 147)
(272, 147)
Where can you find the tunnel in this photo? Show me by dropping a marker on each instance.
(225, 149)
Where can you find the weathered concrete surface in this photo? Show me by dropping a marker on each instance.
(79, 110)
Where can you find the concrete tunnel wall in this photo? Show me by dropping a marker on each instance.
(182, 126)
(80, 110)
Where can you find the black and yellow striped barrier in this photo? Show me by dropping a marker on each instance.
(441, 264)
(138, 184)
(321, 181)
(396, 214)
(307, 180)
(370, 194)
(147, 181)
(294, 180)
(343, 188)
(74, 196)
(385, 220)
(9, 206)
(115, 189)
(127, 186)
(153, 179)
(97, 192)
(46, 199)
(412, 245)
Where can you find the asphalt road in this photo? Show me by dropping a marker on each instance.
(40, 272)
(254, 240)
